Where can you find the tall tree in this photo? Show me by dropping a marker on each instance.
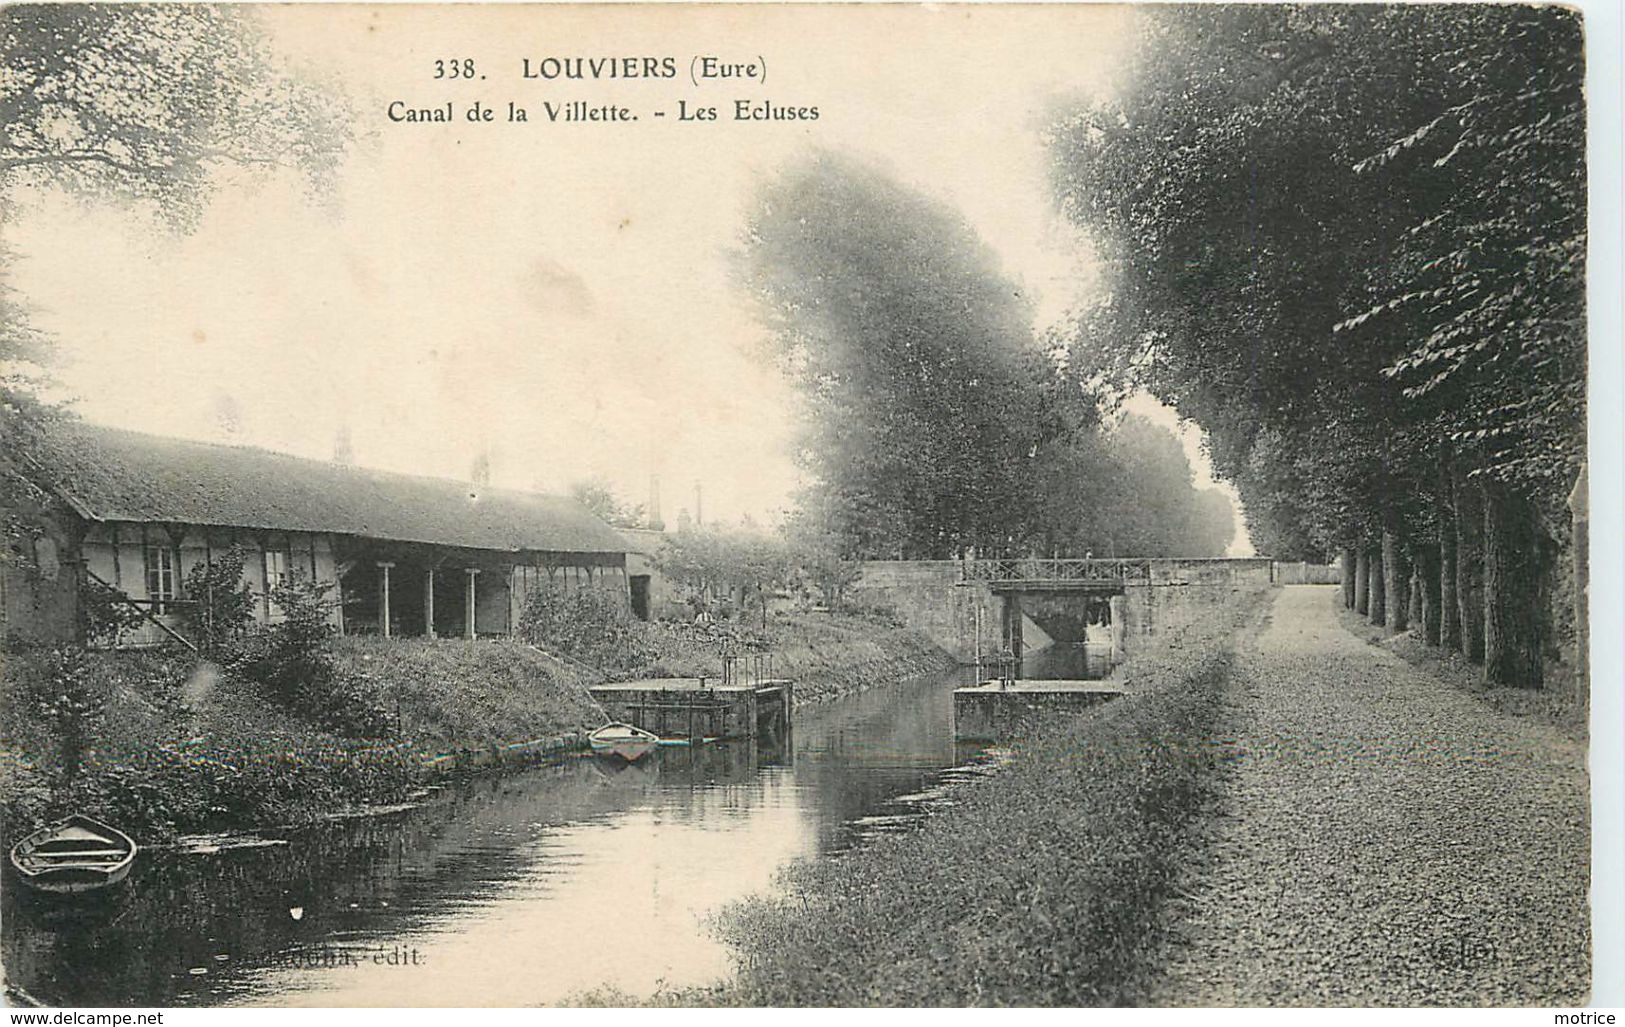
(140, 105)
(1347, 241)
(914, 356)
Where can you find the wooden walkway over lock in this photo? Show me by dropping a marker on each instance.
(743, 703)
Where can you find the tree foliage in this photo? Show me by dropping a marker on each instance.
(715, 566)
(1342, 236)
(935, 420)
(135, 104)
(143, 102)
(602, 502)
(911, 352)
(1348, 241)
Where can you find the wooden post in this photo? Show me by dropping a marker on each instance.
(428, 606)
(383, 605)
(508, 617)
(468, 598)
(976, 609)
(262, 542)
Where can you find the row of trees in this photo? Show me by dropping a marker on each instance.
(1349, 242)
(935, 420)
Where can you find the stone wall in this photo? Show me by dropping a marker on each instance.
(930, 597)
(1181, 589)
(1302, 573)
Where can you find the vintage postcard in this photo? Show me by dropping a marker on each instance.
(795, 505)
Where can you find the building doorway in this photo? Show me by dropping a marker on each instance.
(640, 595)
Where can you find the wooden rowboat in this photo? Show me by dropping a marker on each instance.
(629, 743)
(75, 854)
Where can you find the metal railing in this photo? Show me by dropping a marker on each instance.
(1036, 569)
(748, 669)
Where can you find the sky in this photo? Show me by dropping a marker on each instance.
(556, 295)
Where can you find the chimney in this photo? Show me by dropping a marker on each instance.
(343, 447)
(699, 507)
(656, 522)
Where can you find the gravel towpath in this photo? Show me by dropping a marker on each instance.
(1380, 838)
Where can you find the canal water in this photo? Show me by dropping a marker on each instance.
(524, 889)
(1080, 661)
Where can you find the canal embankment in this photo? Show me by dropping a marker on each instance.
(163, 742)
(1042, 884)
(826, 654)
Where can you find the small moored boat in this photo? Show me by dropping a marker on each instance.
(629, 743)
(75, 854)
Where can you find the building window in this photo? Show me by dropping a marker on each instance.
(276, 569)
(276, 575)
(160, 562)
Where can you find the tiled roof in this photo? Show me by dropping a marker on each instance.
(110, 474)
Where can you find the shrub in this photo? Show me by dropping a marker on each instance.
(223, 603)
(70, 701)
(883, 614)
(293, 659)
(104, 613)
(590, 625)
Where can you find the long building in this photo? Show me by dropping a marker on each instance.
(130, 515)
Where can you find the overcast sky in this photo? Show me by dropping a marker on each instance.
(557, 293)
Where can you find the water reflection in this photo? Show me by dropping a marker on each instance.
(1073, 661)
(504, 891)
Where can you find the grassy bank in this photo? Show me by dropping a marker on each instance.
(826, 655)
(179, 746)
(1040, 885)
(450, 695)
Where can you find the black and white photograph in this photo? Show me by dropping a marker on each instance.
(675, 506)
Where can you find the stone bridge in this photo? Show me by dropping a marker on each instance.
(983, 606)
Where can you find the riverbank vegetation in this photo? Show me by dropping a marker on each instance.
(1352, 247)
(1039, 885)
(271, 726)
(825, 652)
(163, 741)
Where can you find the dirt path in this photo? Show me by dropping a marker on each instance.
(1381, 838)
